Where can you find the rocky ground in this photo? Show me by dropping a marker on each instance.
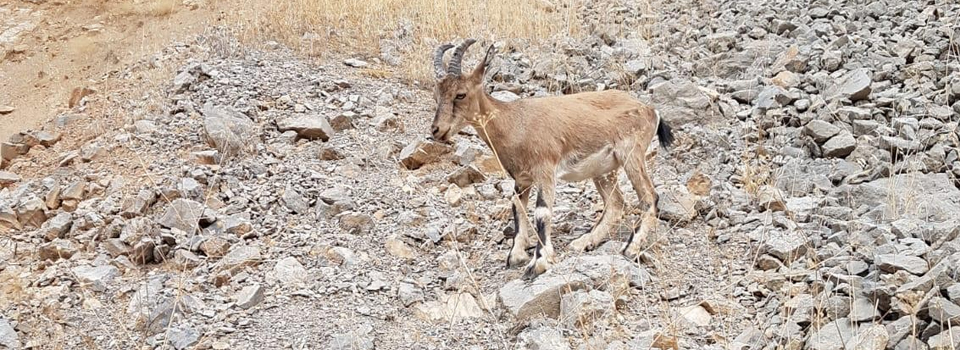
(810, 201)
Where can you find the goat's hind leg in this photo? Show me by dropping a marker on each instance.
(636, 171)
(612, 213)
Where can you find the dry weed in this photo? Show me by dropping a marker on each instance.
(407, 29)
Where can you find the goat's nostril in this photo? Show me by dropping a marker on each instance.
(435, 130)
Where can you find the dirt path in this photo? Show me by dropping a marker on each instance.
(52, 50)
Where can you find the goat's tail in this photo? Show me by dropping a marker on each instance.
(664, 134)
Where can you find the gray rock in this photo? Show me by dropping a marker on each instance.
(907, 228)
(854, 114)
(821, 131)
(840, 145)
(185, 259)
(96, 278)
(249, 296)
(771, 198)
(215, 247)
(863, 310)
(116, 247)
(8, 178)
(911, 343)
(57, 249)
(8, 217)
(854, 85)
(31, 213)
(802, 307)
(941, 199)
(540, 297)
(612, 273)
(144, 126)
(409, 294)
(228, 131)
(953, 293)
(57, 226)
(891, 263)
(581, 308)
(945, 340)
(420, 153)
(942, 112)
(48, 138)
(465, 154)
(289, 271)
(682, 102)
(208, 157)
(294, 201)
(802, 206)
(901, 328)
(450, 308)
(677, 206)
(944, 311)
(355, 63)
(237, 226)
(74, 191)
(542, 338)
(190, 188)
(183, 214)
(871, 337)
(5, 109)
(8, 336)
(240, 256)
(358, 338)
(136, 206)
(167, 311)
(832, 59)
(343, 256)
(786, 246)
(774, 97)
(183, 338)
(311, 127)
(748, 339)
(505, 96)
(9, 151)
(398, 248)
(832, 336)
(635, 66)
(857, 267)
(466, 176)
(898, 145)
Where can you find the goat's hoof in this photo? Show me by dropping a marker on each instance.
(536, 268)
(631, 254)
(515, 260)
(581, 244)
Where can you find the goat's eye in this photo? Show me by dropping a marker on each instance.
(461, 96)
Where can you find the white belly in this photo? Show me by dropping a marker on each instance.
(577, 169)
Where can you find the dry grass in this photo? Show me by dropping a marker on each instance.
(410, 29)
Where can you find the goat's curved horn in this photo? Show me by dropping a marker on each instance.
(458, 56)
(438, 59)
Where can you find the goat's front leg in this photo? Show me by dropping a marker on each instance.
(521, 223)
(544, 255)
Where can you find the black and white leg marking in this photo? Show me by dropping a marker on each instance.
(544, 254)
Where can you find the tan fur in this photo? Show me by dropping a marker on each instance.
(540, 141)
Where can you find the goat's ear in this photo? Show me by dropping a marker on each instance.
(482, 67)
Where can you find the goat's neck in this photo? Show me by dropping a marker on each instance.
(494, 122)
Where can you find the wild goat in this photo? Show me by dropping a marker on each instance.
(574, 137)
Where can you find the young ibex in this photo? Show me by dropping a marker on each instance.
(574, 137)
